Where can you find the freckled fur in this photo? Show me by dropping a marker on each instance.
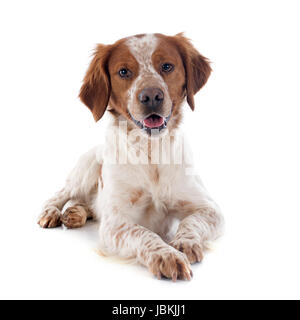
(138, 203)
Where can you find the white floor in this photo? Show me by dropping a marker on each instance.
(64, 264)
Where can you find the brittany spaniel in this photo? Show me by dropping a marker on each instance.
(140, 184)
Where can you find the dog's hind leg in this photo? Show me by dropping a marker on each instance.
(81, 186)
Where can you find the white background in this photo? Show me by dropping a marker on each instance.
(244, 132)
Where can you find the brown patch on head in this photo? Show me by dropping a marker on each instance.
(121, 58)
(103, 85)
(197, 67)
(191, 71)
(167, 52)
(140, 35)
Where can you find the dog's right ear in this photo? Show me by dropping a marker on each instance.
(95, 90)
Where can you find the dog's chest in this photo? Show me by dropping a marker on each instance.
(145, 193)
(154, 193)
(159, 185)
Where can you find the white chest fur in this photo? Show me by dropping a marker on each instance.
(146, 193)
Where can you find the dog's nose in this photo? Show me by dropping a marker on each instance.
(151, 97)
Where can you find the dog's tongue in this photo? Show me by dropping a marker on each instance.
(154, 121)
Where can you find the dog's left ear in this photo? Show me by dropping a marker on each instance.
(197, 67)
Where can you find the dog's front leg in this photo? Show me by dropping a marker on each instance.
(199, 224)
(121, 236)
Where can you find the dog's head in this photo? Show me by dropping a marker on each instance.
(145, 78)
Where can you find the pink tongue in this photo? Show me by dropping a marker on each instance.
(153, 122)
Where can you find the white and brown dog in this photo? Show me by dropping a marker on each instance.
(141, 181)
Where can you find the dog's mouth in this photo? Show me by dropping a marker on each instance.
(153, 123)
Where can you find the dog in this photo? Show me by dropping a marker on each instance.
(140, 184)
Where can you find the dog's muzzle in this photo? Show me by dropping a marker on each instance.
(152, 124)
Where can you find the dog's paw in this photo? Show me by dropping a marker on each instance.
(170, 264)
(190, 248)
(50, 218)
(74, 217)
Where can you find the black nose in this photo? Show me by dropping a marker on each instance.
(151, 97)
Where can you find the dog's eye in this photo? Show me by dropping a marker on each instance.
(124, 73)
(167, 67)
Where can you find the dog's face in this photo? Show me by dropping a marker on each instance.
(145, 78)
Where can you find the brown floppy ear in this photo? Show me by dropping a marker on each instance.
(95, 91)
(197, 67)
